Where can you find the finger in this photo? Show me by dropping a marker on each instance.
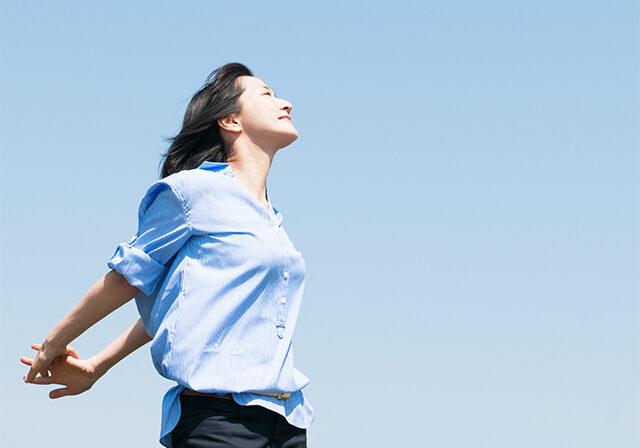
(72, 352)
(44, 380)
(39, 365)
(27, 361)
(36, 367)
(75, 363)
(57, 393)
(36, 346)
(31, 374)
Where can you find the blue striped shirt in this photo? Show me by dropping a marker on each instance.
(220, 291)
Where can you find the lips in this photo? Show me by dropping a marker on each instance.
(285, 117)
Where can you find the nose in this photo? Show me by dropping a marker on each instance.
(287, 106)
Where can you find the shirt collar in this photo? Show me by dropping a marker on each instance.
(215, 166)
(225, 168)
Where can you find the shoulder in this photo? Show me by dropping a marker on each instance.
(190, 183)
(163, 195)
(193, 185)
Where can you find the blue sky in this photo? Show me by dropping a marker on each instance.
(464, 191)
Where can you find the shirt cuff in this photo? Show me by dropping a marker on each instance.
(137, 267)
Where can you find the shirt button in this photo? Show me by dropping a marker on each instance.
(286, 274)
(286, 249)
(283, 300)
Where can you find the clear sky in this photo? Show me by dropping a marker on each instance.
(464, 191)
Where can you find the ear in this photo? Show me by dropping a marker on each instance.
(230, 123)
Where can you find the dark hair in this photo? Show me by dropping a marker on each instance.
(199, 139)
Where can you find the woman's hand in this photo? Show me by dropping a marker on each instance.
(106, 295)
(47, 353)
(78, 375)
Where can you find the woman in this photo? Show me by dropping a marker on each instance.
(216, 280)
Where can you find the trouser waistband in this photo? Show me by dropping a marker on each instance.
(278, 395)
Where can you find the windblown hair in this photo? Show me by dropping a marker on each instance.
(199, 139)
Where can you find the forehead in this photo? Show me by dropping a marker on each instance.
(252, 83)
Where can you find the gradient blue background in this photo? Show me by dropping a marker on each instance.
(464, 190)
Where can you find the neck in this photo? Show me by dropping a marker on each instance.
(250, 165)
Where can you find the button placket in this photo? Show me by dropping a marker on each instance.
(282, 308)
(282, 315)
(282, 299)
(284, 273)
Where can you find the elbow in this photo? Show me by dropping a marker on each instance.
(119, 282)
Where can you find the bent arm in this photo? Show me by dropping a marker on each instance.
(79, 375)
(105, 296)
(129, 341)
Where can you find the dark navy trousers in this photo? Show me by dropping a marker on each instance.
(210, 422)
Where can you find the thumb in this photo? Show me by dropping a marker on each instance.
(72, 352)
(74, 362)
(57, 393)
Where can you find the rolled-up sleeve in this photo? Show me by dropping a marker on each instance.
(163, 228)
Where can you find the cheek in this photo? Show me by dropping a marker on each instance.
(258, 118)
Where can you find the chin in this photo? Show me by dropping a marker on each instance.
(288, 139)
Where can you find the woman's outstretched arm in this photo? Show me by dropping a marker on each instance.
(105, 296)
(78, 375)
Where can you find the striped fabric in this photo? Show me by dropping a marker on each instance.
(220, 291)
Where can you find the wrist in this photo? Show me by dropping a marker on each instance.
(52, 346)
(59, 336)
(99, 367)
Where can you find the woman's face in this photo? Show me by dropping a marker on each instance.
(264, 118)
